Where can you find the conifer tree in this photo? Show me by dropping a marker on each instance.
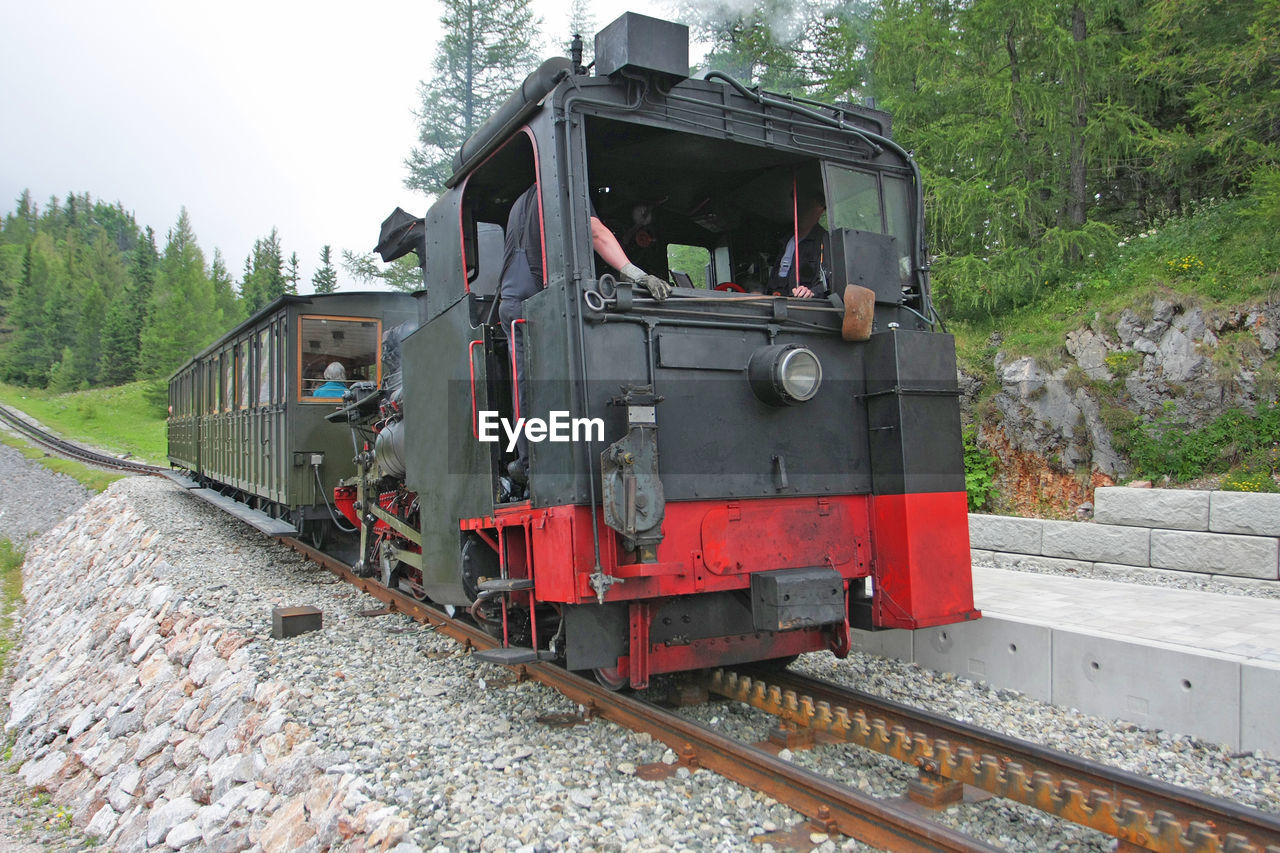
(401, 274)
(486, 49)
(293, 276)
(120, 332)
(36, 342)
(81, 358)
(20, 226)
(227, 304)
(145, 259)
(264, 280)
(182, 317)
(325, 279)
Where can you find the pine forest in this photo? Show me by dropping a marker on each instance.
(1049, 133)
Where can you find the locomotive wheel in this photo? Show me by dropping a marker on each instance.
(611, 678)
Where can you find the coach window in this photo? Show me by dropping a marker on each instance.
(228, 380)
(264, 367)
(353, 343)
(242, 356)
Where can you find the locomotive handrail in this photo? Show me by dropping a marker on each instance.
(471, 358)
(515, 377)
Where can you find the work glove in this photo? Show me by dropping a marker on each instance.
(657, 288)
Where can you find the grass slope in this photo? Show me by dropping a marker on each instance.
(1223, 254)
(124, 419)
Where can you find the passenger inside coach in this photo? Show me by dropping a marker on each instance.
(335, 385)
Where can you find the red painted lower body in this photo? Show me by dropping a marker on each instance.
(915, 547)
(923, 573)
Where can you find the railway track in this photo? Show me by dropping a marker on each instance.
(71, 450)
(1142, 813)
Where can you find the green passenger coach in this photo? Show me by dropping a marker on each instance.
(245, 419)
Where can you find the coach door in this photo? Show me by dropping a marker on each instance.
(267, 411)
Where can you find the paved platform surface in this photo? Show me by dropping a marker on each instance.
(1192, 662)
(1231, 625)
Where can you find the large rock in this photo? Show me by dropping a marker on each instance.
(1169, 373)
(1090, 352)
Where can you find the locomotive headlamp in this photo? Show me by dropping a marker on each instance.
(785, 374)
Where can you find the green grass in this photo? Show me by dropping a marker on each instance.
(124, 419)
(1223, 254)
(10, 597)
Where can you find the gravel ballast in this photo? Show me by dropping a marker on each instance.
(33, 498)
(398, 715)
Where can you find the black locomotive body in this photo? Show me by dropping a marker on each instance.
(744, 476)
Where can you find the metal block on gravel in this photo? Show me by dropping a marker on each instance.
(1172, 509)
(1244, 513)
(894, 643)
(1217, 553)
(1005, 533)
(292, 621)
(1154, 685)
(1259, 698)
(1108, 543)
(1000, 651)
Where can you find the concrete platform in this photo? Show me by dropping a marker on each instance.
(1191, 662)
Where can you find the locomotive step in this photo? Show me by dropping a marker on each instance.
(505, 584)
(512, 655)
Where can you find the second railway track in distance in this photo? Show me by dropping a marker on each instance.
(72, 450)
(1144, 814)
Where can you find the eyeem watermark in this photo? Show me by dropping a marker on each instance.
(558, 427)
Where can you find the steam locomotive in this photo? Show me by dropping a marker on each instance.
(724, 476)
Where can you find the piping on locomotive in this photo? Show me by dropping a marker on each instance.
(773, 470)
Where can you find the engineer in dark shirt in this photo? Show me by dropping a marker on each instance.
(522, 277)
(812, 275)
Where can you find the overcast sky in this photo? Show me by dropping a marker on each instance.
(251, 114)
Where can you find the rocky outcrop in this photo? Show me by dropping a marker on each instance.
(1163, 364)
(144, 718)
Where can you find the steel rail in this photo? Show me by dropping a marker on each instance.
(1143, 813)
(832, 806)
(75, 451)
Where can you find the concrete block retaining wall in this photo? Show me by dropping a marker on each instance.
(1220, 533)
(1154, 531)
(1212, 696)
